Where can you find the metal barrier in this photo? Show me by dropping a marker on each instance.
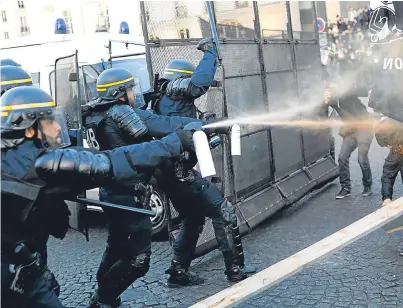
(271, 57)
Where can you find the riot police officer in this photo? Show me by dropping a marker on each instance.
(111, 121)
(4, 62)
(11, 77)
(38, 174)
(182, 83)
(194, 197)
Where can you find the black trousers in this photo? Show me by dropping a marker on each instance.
(195, 200)
(39, 295)
(391, 168)
(129, 236)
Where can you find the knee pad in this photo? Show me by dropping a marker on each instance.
(228, 212)
(139, 265)
(51, 280)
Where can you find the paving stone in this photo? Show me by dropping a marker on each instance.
(367, 273)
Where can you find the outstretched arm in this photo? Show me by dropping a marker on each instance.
(161, 126)
(190, 88)
(84, 169)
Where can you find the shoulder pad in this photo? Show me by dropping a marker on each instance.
(178, 88)
(127, 119)
(93, 119)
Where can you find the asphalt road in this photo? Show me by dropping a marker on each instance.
(368, 273)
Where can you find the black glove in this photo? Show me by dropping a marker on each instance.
(205, 44)
(194, 126)
(186, 138)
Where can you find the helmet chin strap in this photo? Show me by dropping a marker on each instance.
(39, 139)
(43, 140)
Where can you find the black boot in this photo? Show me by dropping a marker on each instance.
(248, 269)
(95, 303)
(232, 270)
(181, 276)
(234, 273)
(48, 275)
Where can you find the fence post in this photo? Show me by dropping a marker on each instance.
(258, 33)
(226, 150)
(295, 70)
(145, 35)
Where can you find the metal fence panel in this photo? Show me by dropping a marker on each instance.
(175, 19)
(265, 67)
(277, 57)
(161, 56)
(245, 97)
(240, 59)
(254, 165)
(273, 19)
(235, 19)
(303, 17)
(316, 144)
(281, 90)
(307, 56)
(286, 150)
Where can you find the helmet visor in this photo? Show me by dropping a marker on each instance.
(135, 95)
(53, 130)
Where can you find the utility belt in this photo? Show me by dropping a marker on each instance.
(181, 171)
(141, 194)
(25, 267)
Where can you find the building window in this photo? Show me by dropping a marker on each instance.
(239, 4)
(4, 16)
(181, 11)
(69, 21)
(184, 33)
(23, 22)
(21, 4)
(103, 24)
(6, 36)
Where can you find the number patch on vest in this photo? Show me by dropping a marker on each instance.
(91, 139)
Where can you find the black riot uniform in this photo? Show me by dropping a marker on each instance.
(111, 121)
(13, 76)
(38, 173)
(194, 197)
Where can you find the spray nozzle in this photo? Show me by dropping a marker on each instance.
(213, 139)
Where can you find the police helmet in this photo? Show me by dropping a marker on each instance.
(326, 55)
(12, 76)
(178, 68)
(11, 62)
(116, 83)
(28, 107)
